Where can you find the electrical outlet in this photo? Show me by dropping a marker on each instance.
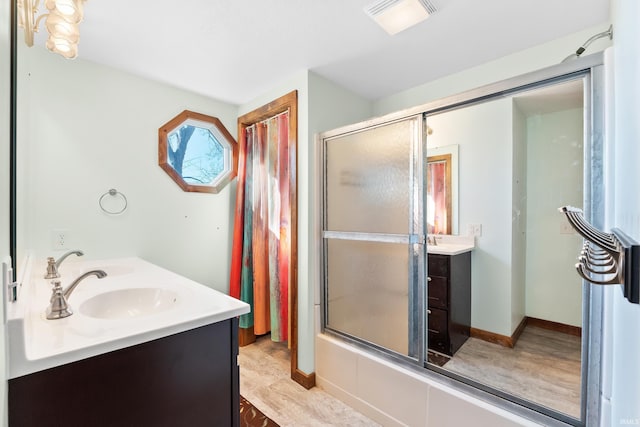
(59, 239)
(474, 230)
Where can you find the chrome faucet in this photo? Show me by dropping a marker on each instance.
(59, 307)
(53, 265)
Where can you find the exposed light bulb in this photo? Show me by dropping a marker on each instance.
(58, 27)
(69, 10)
(63, 46)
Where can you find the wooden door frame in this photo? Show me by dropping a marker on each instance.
(288, 102)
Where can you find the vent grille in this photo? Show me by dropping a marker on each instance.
(429, 6)
(380, 6)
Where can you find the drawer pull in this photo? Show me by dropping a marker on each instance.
(434, 331)
(428, 279)
(428, 311)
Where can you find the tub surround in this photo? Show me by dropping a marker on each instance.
(36, 343)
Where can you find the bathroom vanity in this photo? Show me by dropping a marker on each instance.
(167, 361)
(449, 300)
(189, 379)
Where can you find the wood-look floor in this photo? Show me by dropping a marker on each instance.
(265, 381)
(543, 367)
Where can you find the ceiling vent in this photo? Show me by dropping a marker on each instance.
(398, 15)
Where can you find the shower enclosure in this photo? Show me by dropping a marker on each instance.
(518, 162)
(373, 236)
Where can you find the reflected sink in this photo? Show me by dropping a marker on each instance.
(449, 249)
(128, 303)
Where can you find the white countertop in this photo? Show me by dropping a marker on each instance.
(36, 343)
(450, 245)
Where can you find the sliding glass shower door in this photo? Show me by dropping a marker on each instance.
(373, 239)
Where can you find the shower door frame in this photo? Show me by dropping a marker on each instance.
(415, 240)
(591, 67)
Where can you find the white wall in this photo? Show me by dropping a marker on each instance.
(483, 133)
(555, 153)
(5, 63)
(85, 128)
(519, 218)
(622, 344)
(330, 106)
(528, 60)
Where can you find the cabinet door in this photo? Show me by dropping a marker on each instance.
(438, 292)
(438, 330)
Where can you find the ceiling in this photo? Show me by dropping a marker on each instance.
(237, 50)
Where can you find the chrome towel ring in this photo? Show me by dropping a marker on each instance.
(113, 193)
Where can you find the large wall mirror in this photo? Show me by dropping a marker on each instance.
(521, 157)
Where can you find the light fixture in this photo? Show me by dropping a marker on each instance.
(398, 15)
(62, 22)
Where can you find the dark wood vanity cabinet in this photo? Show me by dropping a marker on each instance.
(449, 301)
(187, 379)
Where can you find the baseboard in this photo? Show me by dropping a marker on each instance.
(510, 341)
(503, 340)
(492, 337)
(555, 326)
(305, 380)
(246, 336)
(516, 334)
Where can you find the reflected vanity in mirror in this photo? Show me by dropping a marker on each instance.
(197, 152)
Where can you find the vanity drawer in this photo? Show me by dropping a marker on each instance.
(438, 335)
(437, 292)
(438, 265)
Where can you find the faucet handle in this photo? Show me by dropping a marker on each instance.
(52, 269)
(58, 307)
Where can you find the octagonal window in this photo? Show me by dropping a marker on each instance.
(197, 152)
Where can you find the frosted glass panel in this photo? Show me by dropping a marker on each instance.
(367, 291)
(368, 179)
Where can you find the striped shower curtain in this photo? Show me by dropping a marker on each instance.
(260, 270)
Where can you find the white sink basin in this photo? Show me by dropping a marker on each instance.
(128, 303)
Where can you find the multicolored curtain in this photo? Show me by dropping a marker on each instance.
(260, 270)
